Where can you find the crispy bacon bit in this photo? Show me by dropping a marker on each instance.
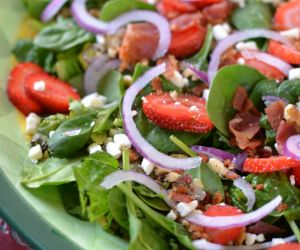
(285, 130)
(239, 99)
(179, 197)
(157, 85)
(171, 65)
(264, 228)
(140, 42)
(219, 12)
(197, 232)
(217, 198)
(244, 126)
(259, 186)
(133, 155)
(275, 112)
(282, 207)
(204, 157)
(198, 90)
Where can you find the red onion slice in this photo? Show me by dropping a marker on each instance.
(247, 190)
(200, 74)
(120, 176)
(213, 152)
(269, 99)
(134, 135)
(52, 9)
(268, 59)
(96, 71)
(238, 160)
(206, 245)
(235, 220)
(156, 19)
(85, 20)
(291, 147)
(229, 41)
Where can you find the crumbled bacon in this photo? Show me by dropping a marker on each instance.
(133, 155)
(217, 198)
(264, 228)
(282, 207)
(219, 12)
(171, 65)
(179, 197)
(244, 126)
(259, 186)
(157, 85)
(285, 130)
(275, 112)
(240, 98)
(198, 90)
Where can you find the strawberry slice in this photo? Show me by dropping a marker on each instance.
(16, 91)
(55, 98)
(285, 53)
(183, 112)
(286, 246)
(223, 236)
(271, 164)
(287, 15)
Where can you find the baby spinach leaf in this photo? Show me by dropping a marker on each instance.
(26, 51)
(255, 14)
(62, 35)
(265, 87)
(269, 132)
(211, 181)
(111, 87)
(199, 60)
(224, 85)
(94, 198)
(71, 136)
(289, 90)
(66, 69)
(36, 7)
(50, 123)
(52, 171)
(114, 8)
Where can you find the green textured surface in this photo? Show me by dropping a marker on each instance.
(38, 215)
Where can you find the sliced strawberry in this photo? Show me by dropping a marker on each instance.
(271, 164)
(188, 34)
(287, 15)
(223, 236)
(286, 246)
(57, 93)
(285, 53)
(184, 112)
(16, 91)
(173, 8)
(203, 3)
(296, 173)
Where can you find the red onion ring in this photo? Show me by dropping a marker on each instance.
(134, 135)
(291, 147)
(268, 59)
(200, 74)
(235, 220)
(229, 41)
(247, 190)
(52, 9)
(213, 152)
(206, 245)
(85, 20)
(156, 19)
(238, 160)
(269, 99)
(121, 175)
(96, 71)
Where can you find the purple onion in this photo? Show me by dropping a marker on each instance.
(291, 147)
(241, 220)
(247, 190)
(134, 135)
(121, 175)
(52, 9)
(229, 41)
(269, 99)
(238, 160)
(200, 74)
(213, 152)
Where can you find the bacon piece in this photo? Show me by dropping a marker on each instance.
(275, 112)
(140, 42)
(240, 99)
(285, 130)
(171, 65)
(244, 126)
(264, 228)
(219, 12)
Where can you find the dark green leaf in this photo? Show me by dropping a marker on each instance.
(50, 123)
(105, 119)
(255, 14)
(71, 136)
(114, 8)
(62, 35)
(289, 90)
(211, 181)
(110, 86)
(224, 85)
(269, 132)
(36, 7)
(66, 69)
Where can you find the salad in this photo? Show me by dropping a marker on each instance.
(173, 123)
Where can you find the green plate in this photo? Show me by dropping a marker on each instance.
(37, 215)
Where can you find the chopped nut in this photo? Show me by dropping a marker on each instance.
(292, 114)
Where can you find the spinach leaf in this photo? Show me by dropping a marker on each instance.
(114, 8)
(199, 60)
(50, 123)
(71, 136)
(211, 181)
(118, 208)
(94, 198)
(255, 14)
(36, 7)
(265, 87)
(52, 171)
(62, 35)
(289, 90)
(224, 85)
(111, 87)
(26, 51)
(269, 132)
(67, 69)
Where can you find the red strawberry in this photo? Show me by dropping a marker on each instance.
(183, 112)
(223, 236)
(296, 173)
(57, 93)
(286, 246)
(271, 164)
(16, 91)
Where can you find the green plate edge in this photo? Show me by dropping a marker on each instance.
(37, 215)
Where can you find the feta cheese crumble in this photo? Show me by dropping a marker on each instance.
(122, 140)
(93, 148)
(186, 208)
(35, 153)
(94, 100)
(113, 149)
(147, 166)
(32, 123)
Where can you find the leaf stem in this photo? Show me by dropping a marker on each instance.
(183, 146)
(294, 228)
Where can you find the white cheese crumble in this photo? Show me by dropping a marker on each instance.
(291, 33)
(51, 133)
(39, 86)
(147, 166)
(246, 45)
(122, 140)
(241, 61)
(171, 215)
(178, 80)
(294, 74)
(134, 113)
(35, 153)
(113, 149)
(94, 100)
(93, 148)
(277, 241)
(32, 123)
(221, 31)
(172, 177)
(260, 238)
(205, 94)
(186, 208)
(250, 239)
(292, 180)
